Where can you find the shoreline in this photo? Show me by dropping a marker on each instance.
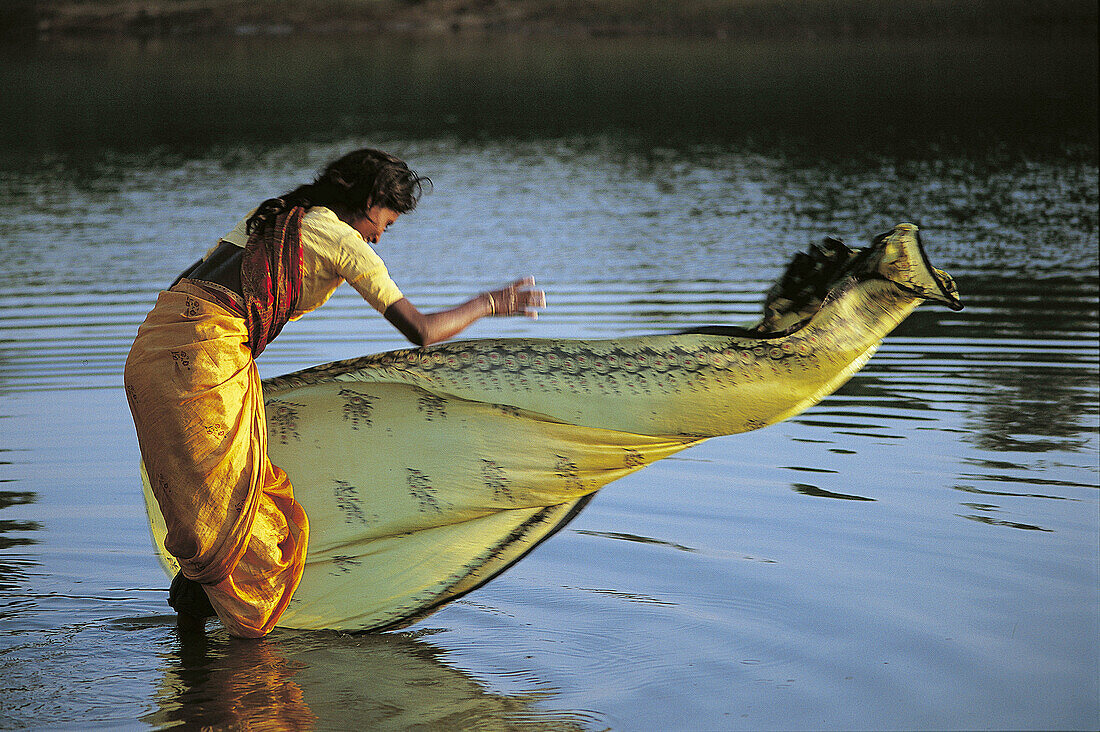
(46, 20)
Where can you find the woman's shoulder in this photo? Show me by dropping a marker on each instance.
(322, 229)
(326, 234)
(321, 221)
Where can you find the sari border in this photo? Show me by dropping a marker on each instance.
(214, 293)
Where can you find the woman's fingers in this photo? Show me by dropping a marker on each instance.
(519, 298)
(535, 299)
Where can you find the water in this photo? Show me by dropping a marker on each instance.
(920, 550)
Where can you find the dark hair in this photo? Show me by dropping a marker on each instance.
(354, 183)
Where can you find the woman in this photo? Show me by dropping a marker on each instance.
(194, 390)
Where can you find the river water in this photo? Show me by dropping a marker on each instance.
(920, 550)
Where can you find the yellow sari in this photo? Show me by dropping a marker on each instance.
(230, 517)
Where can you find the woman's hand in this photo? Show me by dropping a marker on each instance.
(518, 298)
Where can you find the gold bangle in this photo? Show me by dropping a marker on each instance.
(492, 303)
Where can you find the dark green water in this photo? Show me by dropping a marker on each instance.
(920, 550)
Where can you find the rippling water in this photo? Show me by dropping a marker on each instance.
(919, 550)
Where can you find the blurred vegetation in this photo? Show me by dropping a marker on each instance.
(1050, 19)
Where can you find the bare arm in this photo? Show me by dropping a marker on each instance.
(519, 298)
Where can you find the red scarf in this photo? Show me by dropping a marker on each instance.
(271, 277)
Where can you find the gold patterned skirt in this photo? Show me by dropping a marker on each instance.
(229, 516)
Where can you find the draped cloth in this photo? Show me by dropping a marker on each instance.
(230, 517)
(271, 277)
(427, 472)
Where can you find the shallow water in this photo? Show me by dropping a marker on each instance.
(920, 550)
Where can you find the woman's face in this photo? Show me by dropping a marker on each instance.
(375, 223)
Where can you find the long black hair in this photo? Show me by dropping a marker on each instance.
(354, 183)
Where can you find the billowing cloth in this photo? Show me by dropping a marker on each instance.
(427, 472)
(230, 518)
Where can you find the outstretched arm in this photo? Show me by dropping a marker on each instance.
(518, 298)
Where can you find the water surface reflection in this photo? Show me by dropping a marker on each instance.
(16, 534)
(814, 98)
(328, 681)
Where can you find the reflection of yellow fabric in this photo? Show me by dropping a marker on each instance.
(229, 515)
(233, 685)
(426, 472)
(333, 252)
(301, 681)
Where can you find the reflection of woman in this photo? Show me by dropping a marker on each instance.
(194, 391)
(384, 681)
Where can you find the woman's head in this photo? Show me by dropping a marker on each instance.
(351, 186)
(368, 178)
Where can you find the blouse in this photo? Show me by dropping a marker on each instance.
(333, 252)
